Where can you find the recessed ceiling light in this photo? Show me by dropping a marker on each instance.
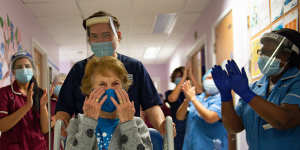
(165, 23)
(151, 52)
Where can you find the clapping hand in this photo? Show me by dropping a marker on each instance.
(189, 91)
(239, 81)
(222, 82)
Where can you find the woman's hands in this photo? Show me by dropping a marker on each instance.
(29, 102)
(44, 100)
(125, 109)
(189, 91)
(91, 107)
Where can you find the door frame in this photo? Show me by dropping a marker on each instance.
(36, 45)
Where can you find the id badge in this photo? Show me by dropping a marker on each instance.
(267, 126)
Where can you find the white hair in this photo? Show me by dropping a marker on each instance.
(59, 78)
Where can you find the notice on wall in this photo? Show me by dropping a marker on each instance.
(280, 7)
(277, 9)
(259, 16)
(289, 21)
(289, 4)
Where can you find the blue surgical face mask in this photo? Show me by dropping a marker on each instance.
(24, 75)
(57, 90)
(108, 105)
(177, 80)
(101, 49)
(272, 69)
(210, 87)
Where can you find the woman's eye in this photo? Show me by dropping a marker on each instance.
(101, 84)
(115, 84)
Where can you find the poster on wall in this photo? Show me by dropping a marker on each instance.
(10, 42)
(289, 4)
(289, 21)
(277, 9)
(259, 16)
(280, 7)
(254, 46)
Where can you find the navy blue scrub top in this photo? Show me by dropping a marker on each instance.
(142, 90)
(175, 105)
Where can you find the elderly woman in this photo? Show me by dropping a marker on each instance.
(23, 110)
(108, 120)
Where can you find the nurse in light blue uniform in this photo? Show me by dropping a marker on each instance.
(204, 128)
(269, 109)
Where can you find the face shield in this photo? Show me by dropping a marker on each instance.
(104, 19)
(274, 49)
(107, 45)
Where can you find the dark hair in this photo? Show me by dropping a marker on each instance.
(174, 73)
(37, 94)
(293, 36)
(100, 14)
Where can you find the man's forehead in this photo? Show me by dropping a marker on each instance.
(100, 27)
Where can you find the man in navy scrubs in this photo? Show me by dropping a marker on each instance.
(104, 36)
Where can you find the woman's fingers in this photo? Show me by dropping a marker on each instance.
(98, 93)
(102, 101)
(125, 96)
(114, 102)
(119, 96)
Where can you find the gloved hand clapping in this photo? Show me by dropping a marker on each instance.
(239, 81)
(221, 80)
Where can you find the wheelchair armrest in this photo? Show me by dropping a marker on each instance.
(57, 134)
(169, 138)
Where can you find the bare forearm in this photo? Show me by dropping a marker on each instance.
(155, 116)
(208, 115)
(182, 110)
(44, 119)
(10, 121)
(61, 115)
(277, 116)
(232, 122)
(198, 86)
(175, 93)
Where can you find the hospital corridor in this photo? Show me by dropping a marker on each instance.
(149, 75)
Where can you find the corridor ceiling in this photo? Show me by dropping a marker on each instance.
(62, 19)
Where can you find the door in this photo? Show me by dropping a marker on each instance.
(224, 39)
(223, 50)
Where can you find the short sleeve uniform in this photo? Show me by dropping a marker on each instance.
(201, 135)
(285, 91)
(26, 134)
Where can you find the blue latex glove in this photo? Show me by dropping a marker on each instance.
(239, 81)
(222, 82)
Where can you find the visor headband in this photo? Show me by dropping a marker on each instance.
(278, 38)
(104, 19)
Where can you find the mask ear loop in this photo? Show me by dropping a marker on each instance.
(270, 61)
